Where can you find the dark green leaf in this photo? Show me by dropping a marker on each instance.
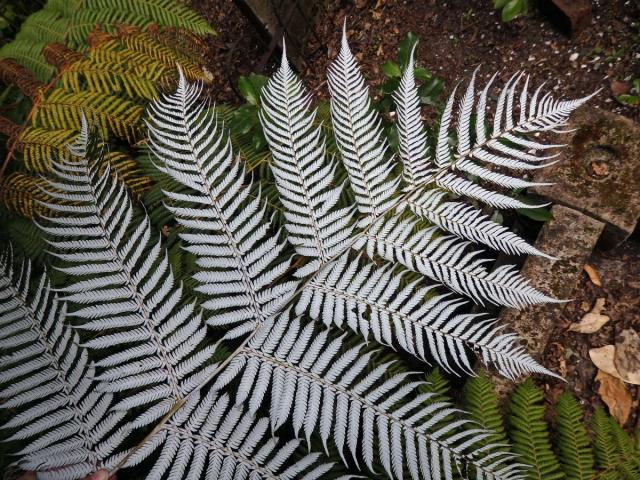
(391, 69)
(538, 214)
(404, 49)
(629, 99)
(514, 9)
(250, 87)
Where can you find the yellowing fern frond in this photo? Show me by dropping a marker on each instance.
(129, 172)
(62, 109)
(112, 78)
(39, 145)
(20, 192)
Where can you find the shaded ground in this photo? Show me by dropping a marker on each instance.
(619, 270)
(457, 36)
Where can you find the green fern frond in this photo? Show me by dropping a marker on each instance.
(129, 172)
(530, 435)
(62, 109)
(438, 384)
(576, 455)
(140, 13)
(28, 53)
(617, 457)
(481, 401)
(39, 145)
(145, 47)
(44, 26)
(63, 7)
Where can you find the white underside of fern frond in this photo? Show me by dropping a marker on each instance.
(317, 385)
(209, 439)
(225, 229)
(121, 278)
(359, 137)
(304, 178)
(376, 302)
(48, 381)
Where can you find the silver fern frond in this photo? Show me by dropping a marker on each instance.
(224, 227)
(467, 222)
(373, 301)
(121, 278)
(445, 259)
(48, 378)
(506, 146)
(417, 164)
(304, 178)
(477, 154)
(209, 439)
(359, 136)
(317, 385)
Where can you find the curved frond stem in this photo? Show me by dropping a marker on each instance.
(317, 385)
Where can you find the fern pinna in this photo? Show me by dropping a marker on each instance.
(266, 292)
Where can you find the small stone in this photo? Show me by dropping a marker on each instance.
(573, 15)
(573, 57)
(619, 88)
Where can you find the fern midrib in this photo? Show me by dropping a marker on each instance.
(36, 327)
(400, 246)
(252, 352)
(303, 180)
(532, 450)
(572, 438)
(215, 445)
(396, 313)
(172, 378)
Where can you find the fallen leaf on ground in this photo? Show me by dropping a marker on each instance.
(592, 321)
(613, 392)
(603, 359)
(593, 274)
(627, 356)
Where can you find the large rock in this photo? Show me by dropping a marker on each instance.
(599, 172)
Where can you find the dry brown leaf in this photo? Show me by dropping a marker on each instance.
(592, 321)
(627, 356)
(603, 359)
(613, 392)
(593, 274)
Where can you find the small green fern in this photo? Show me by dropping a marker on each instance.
(530, 434)
(616, 455)
(574, 447)
(481, 401)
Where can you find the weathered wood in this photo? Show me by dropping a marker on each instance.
(292, 20)
(570, 237)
